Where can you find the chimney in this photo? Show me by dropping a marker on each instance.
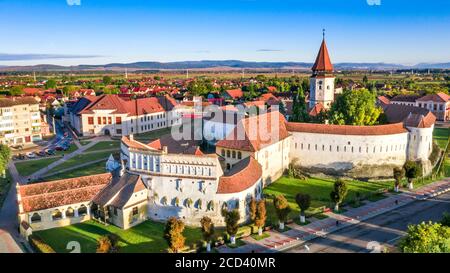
(165, 149)
(132, 137)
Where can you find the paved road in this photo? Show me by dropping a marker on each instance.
(386, 229)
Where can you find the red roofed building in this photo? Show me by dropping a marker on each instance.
(233, 94)
(438, 104)
(112, 115)
(264, 137)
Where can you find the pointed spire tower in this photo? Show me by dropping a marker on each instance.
(322, 79)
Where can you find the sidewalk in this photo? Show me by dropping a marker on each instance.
(298, 235)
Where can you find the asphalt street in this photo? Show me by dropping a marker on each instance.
(379, 232)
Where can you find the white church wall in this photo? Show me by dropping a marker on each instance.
(342, 152)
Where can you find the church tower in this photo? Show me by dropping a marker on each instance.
(322, 80)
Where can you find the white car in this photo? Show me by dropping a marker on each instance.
(31, 155)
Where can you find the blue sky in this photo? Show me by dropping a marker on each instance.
(104, 31)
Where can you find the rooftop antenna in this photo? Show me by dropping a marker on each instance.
(323, 33)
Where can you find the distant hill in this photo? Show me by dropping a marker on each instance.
(225, 64)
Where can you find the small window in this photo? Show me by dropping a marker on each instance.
(228, 153)
(35, 218)
(135, 211)
(239, 155)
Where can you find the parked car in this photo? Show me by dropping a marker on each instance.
(50, 151)
(41, 153)
(21, 156)
(59, 148)
(31, 155)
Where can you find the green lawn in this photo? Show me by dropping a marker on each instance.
(29, 167)
(149, 136)
(96, 168)
(440, 135)
(72, 148)
(105, 145)
(318, 189)
(5, 185)
(80, 159)
(84, 142)
(147, 237)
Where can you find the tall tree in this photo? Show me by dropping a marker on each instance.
(339, 193)
(5, 157)
(412, 171)
(252, 209)
(282, 209)
(207, 231)
(399, 174)
(303, 202)
(50, 84)
(355, 107)
(173, 234)
(107, 80)
(231, 220)
(260, 219)
(16, 90)
(299, 108)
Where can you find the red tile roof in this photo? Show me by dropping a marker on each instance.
(323, 62)
(270, 99)
(135, 107)
(256, 132)
(176, 147)
(384, 99)
(389, 129)
(242, 176)
(235, 93)
(316, 110)
(439, 97)
(53, 194)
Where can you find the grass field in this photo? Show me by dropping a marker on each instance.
(105, 145)
(96, 168)
(80, 159)
(441, 135)
(318, 189)
(29, 167)
(149, 136)
(5, 185)
(147, 237)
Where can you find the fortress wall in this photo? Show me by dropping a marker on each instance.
(343, 153)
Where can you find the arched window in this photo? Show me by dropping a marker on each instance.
(82, 210)
(35, 218)
(228, 166)
(56, 215)
(70, 212)
(234, 154)
(239, 155)
(228, 153)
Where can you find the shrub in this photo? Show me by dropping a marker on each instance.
(108, 244)
(281, 207)
(173, 234)
(39, 245)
